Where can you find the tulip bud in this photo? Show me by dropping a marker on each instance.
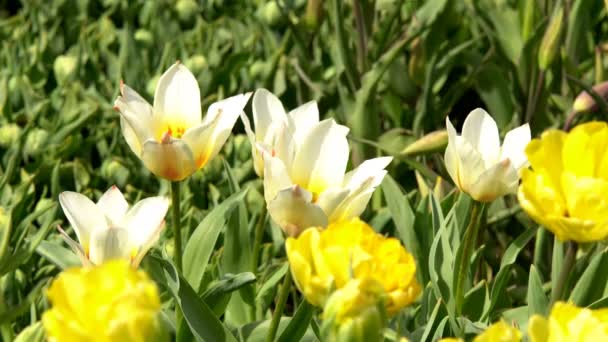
(271, 14)
(433, 142)
(35, 142)
(242, 147)
(586, 103)
(151, 85)
(186, 10)
(416, 65)
(114, 172)
(355, 312)
(259, 69)
(9, 133)
(551, 40)
(313, 15)
(144, 37)
(196, 63)
(64, 68)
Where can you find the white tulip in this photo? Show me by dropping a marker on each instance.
(108, 229)
(170, 137)
(478, 164)
(304, 163)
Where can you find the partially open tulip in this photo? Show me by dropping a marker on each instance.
(499, 332)
(110, 302)
(304, 164)
(170, 137)
(109, 230)
(478, 164)
(565, 189)
(568, 322)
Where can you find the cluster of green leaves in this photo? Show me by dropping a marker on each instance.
(389, 69)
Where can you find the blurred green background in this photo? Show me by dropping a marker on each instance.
(392, 70)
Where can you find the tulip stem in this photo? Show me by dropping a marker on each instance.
(259, 235)
(567, 264)
(470, 239)
(177, 232)
(278, 311)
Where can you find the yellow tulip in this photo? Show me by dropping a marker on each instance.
(324, 260)
(110, 302)
(170, 137)
(566, 188)
(569, 323)
(499, 332)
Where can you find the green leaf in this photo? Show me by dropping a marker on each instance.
(266, 292)
(591, 285)
(58, 255)
(538, 303)
(218, 292)
(298, 324)
(202, 242)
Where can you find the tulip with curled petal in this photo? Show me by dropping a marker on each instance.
(109, 229)
(478, 164)
(170, 137)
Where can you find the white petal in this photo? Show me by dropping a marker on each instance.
(113, 205)
(221, 118)
(275, 174)
(258, 161)
(293, 211)
(321, 160)
(481, 132)
(135, 117)
(130, 136)
(143, 249)
(172, 160)
(515, 144)
(497, 181)
(471, 165)
(451, 157)
(372, 168)
(75, 246)
(108, 244)
(303, 119)
(199, 139)
(330, 199)
(353, 205)
(83, 214)
(267, 108)
(144, 219)
(178, 97)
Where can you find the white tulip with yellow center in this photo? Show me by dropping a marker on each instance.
(170, 137)
(478, 164)
(304, 165)
(109, 230)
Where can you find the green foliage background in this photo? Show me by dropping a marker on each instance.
(392, 70)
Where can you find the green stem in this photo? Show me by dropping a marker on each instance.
(259, 235)
(470, 239)
(177, 232)
(278, 311)
(567, 264)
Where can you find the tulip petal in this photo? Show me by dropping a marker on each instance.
(258, 161)
(354, 204)
(113, 205)
(198, 139)
(451, 157)
(480, 130)
(108, 244)
(321, 160)
(330, 199)
(275, 175)
(172, 160)
(302, 119)
(177, 97)
(497, 181)
(372, 168)
(144, 219)
(293, 211)
(514, 146)
(267, 108)
(83, 215)
(135, 117)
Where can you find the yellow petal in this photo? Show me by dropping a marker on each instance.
(172, 160)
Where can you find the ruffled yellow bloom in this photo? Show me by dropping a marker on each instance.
(569, 323)
(324, 260)
(451, 339)
(110, 302)
(499, 332)
(355, 312)
(566, 190)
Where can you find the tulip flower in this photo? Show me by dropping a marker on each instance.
(322, 261)
(478, 164)
(304, 164)
(568, 322)
(110, 302)
(109, 230)
(565, 190)
(499, 332)
(170, 137)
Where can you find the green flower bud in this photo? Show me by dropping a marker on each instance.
(433, 142)
(551, 40)
(9, 133)
(355, 313)
(186, 10)
(259, 69)
(196, 63)
(64, 68)
(151, 85)
(416, 65)
(144, 37)
(586, 103)
(114, 172)
(35, 142)
(313, 15)
(270, 13)
(242, 147)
